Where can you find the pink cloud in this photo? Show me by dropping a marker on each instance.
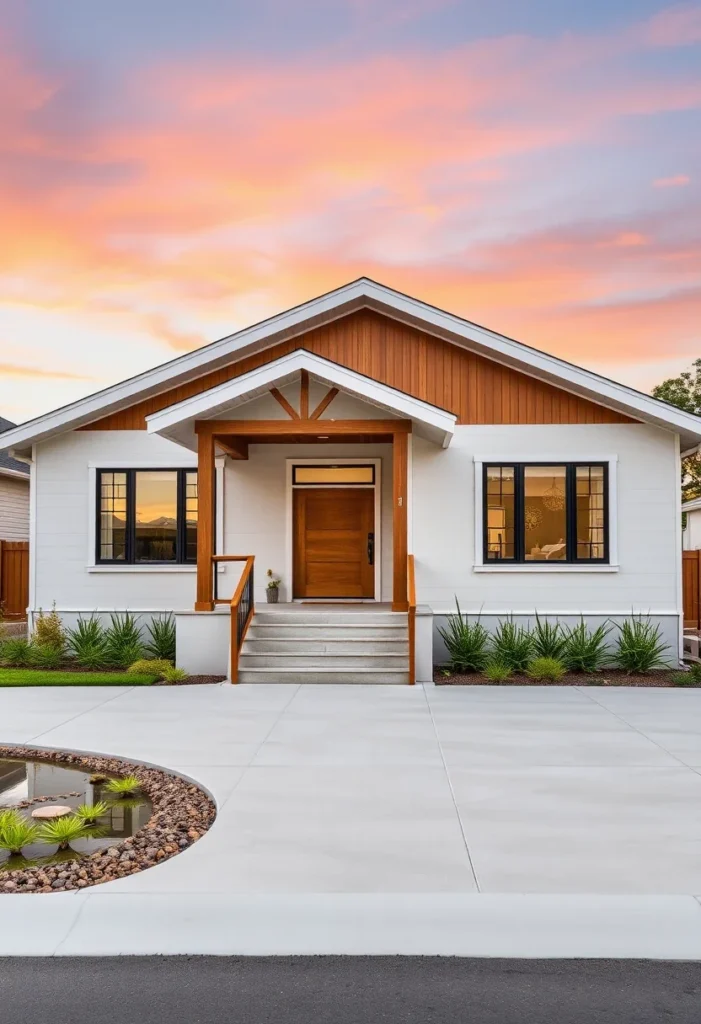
(675, 181)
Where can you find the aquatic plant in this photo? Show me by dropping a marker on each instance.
(126, 786)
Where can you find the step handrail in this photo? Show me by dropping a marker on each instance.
(242, 606)
(411, 598)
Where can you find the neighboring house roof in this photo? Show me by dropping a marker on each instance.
(360, 294)
(692, 505)
(8, 465)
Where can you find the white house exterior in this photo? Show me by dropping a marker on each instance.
(691, 534)
(518, 482)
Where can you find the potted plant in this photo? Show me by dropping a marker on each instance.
(273, 588)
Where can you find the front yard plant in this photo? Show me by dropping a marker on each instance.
(123, 643)
(512, 645)
(86, 642)
(160, 644)
(586, 650)
(640, 647)
(127, 785)
(546, 670)
(39, 677)
(549, 640)
(149, 666)
(64, 831)
(466, 643)
(497, 671)
(89, 813)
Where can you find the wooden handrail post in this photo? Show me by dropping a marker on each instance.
(411, 597)
(204, 601)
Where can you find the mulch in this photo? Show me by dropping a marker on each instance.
(656, 678)
(193, 681)
(182, 813)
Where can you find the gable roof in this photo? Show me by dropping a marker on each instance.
(363, 293)
(176, 422)
(8, 465)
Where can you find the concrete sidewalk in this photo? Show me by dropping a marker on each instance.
(490, 821)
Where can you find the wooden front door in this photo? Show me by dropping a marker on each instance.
(334, 542)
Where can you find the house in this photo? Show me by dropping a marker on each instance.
(382, 457)
(691, 524)
(14, 493)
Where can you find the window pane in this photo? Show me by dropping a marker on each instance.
(500, 512)
(113, 516)
(191, 509)
(334, 474)
(590, 512)
(545, 513)
(156, 516)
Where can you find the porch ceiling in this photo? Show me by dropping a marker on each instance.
(177, 422)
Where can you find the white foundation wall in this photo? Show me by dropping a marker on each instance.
(63, 556)
(645, 507)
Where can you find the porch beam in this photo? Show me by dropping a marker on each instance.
(242, 428)
(205, 525)
(324, 403)
(304, 395)
(235, 448)
(281, 400)
(400, 482)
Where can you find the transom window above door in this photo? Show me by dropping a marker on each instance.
(330, 475)
(546, 513)
(146, 516)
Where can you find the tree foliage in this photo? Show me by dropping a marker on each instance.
(684, 391)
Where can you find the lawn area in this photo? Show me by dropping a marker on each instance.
(39, 677)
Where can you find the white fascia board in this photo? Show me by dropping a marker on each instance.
(279, 372)
(692, 505)
(356, 295)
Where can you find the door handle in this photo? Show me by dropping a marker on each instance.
(371, 549)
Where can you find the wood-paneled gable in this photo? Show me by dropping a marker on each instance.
(475, 389)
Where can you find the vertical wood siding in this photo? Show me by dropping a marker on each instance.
(475, 389)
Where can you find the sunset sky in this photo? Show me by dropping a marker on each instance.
(171, 171)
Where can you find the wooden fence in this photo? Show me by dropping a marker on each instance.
(14, 578)
(691, 585)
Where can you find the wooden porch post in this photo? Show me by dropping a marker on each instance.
(205, 520)
(400, 479)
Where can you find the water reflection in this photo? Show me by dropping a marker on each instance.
(22, 781)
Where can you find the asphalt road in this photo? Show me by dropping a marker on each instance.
(345, 990)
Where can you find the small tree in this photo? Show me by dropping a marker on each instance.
(684, 391)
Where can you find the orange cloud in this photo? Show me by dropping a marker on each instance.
(13, 370)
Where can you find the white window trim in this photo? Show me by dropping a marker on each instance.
(177, 462)
(289, 524)
(498, 458)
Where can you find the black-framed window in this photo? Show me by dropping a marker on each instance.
(146, 516)
(546, 512)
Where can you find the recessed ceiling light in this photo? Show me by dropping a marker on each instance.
(322, 437)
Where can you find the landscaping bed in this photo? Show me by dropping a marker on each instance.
(182, 813)
(656, 677)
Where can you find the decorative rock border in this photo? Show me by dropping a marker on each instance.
(182, 812)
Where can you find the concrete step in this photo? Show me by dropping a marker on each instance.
(351, 631)
(364, 676)
(331, 645)
(343, 617)
(303, 660)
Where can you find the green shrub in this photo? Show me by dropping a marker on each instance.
(87, 643)
(15, 652)
(497, 672)
(89, 813)
(125, 786)
(161, 642)
(123, 643)
(175, 675)
(9, 816)
(586, 651)
(152, 666)
(546, 669)
(49, 631)
(45, 656)
(684, 679)
(17, 832)
(512, 645)
(64, 831)
(639, 646)
(549, 640)
(466, 643)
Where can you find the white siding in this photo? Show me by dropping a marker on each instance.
(692, 534)
(443, 522)
(14, 508)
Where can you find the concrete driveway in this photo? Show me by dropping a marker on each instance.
(478, 821)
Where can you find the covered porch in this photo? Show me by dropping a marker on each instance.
(322, 500)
